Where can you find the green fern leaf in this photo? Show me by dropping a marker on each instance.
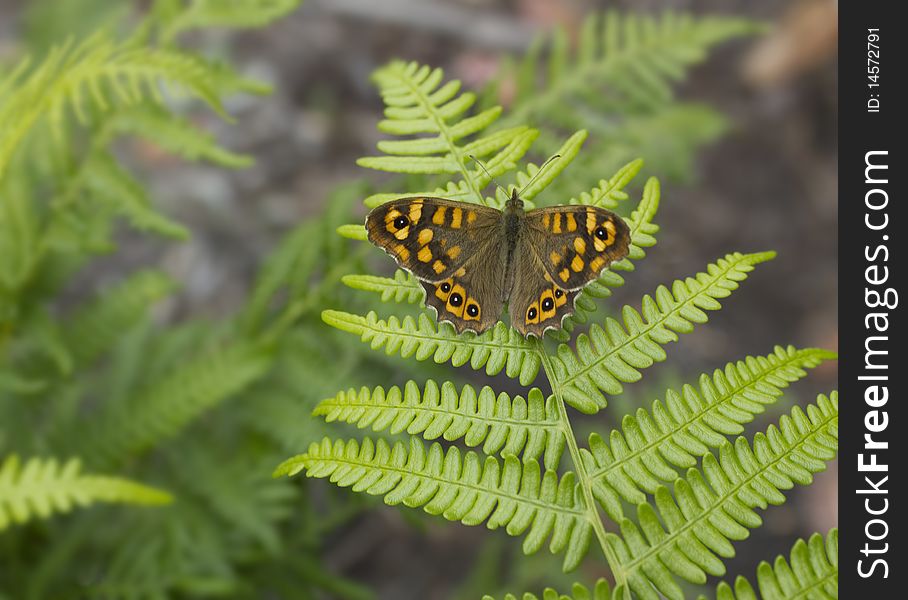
(622, 60)
(418, 103)
(168, 405)
(459, 486)
(601, 591)
(40, 488)
(813, 572)
(94, 328)
(177, 17)
(402, 288)
(172, 133)
(500, 348)
(95, 74)
(109, 183)
(715, 505)
(651, 444)
(607, 357)
(529, 427)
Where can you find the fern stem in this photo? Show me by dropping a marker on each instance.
(583, 478)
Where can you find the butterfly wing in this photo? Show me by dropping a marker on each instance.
(536, 303)
(561, 249)
(456, 250)
(431, 237)
(473, 297)
(574, 244)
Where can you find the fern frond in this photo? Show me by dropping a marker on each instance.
(601, 591)
(95, 74)
(716, 504)
(529, 427)
(627, 59)
(419, 103)
(42, 487)
(459, 486)
(674, 434)
(172, 133)
(168, 405)
(178, 17)
(607, 357)
(813, 572)
(402, 288)
(107, 182)
(500, 348)
(94, 328)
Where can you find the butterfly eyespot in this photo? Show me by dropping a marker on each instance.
(559, 293)
(401, 222)
(446, 287)
(472, 310)
(601, 233)
(531, 314)
(456, 300)
(548, 304)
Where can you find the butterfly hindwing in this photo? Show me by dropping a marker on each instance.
(537, 303)
(576, 243)
(431, 237)
(472, 298)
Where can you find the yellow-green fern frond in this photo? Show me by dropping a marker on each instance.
(501, 348)
(672, 435)
(688, 533)
(601, 591)
(41, 487)
(812, 572)
(526, 427)
(465, 487)
(613, 354)
(94, 75)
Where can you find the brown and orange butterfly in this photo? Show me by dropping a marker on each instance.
(472, 260)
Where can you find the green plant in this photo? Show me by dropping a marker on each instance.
(615, 81)
(677, 483)
(105, 401)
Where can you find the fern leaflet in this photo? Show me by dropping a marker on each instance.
(461, 486)
(40, 488)
(673, 434)
(501, 424)
(716, 505)
(812, 572)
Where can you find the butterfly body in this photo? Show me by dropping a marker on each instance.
(472, 260)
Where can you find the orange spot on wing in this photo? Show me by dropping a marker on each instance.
(580, 245)
(425, 236)
(556, 223)
(424, 254)
(438, 266)
(453, 252)
(571, 222)
(564, 275)
(577, 263)
(439, 216)
(456, 217)
(401, 251)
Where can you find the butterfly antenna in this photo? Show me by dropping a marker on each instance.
(486, 171)
(538, 171)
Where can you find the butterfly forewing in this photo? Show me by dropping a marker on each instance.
(431, 237)
(576, 243)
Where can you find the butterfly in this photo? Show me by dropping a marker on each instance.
(472, 260)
